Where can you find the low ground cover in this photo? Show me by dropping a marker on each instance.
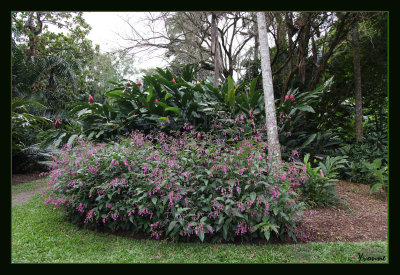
(41, 235)
(189, 185)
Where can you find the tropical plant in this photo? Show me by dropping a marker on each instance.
(188, 185)
(298, 123)
(24, 128)
(46, 71)
(164, 97)
(378, 174)
(372, 146)
(319, 187)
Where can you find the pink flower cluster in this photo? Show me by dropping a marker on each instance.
(291, 97)
(153, 173)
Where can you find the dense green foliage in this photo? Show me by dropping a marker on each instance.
(178, 186)
(41, 235)
(54, 69)
(126, 158)
(319, 188)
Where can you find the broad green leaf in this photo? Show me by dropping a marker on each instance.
(306, 158)
(22, 102)
(150, 94)
(99, 133)
(267, 234)
(309, 140)
(253, 196)
(225, 229)
(377, 163)
(230, 83)
(115, 94)
(81, 112)
(162, 104)
(253, 87)
(201, 236)
(71, 139)
(58, 141)
(171, 226)
(91, 135)
(167, 95)
(173, 109)
(375, 187)
(305, 108)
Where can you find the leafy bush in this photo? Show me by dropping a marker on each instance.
(161, 101)
(180, 186)
(299, 123)
(26, 154)
(164, 97)
(372, 146)
(319, 187)
(378, 174)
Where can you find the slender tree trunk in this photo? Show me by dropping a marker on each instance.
(215, 48)
(270, 115)
(34, 31)
(256, 43)
(357, 82)
(290, 71)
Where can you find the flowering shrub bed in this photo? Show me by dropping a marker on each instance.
(186, 185)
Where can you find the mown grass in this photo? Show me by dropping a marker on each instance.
(40, 235)
(29, 186)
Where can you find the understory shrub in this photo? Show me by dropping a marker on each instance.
(374, 145)
(319, 189)
(179, 187)
(378, 174)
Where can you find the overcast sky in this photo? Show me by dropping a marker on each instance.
(105, 29)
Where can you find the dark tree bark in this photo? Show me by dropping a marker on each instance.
(256, 42)
(214, 48)
(34, 31)
(357, 81)
(342, 29)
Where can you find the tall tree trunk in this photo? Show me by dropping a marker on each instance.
(302, 50)
(256, 42)
(215, 48)
(34, 31)
(274, 150)
(290, 71)
(357, 81)
(342, 28)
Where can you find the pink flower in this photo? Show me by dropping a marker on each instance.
(322, 173)
(198, 135)
(286, 97)
(156, 100)
(139, 83)
(173, 80)
(57, 123)
(91, 99)
(292, 97)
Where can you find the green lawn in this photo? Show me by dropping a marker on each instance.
(29, 186)
(40, 235)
